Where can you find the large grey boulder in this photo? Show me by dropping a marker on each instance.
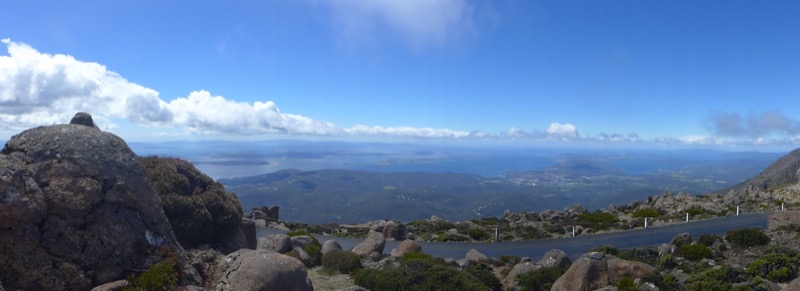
(596, 270)
(261, 270)
(390, 230)
(200, 210)
(280, 243)
(77, 209)
(83, 118)
(330, 245)
(374, 243)
(302, 241)
(555, 258)
(405, 247)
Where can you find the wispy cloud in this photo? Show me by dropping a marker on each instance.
(760, 125)
(418, 23)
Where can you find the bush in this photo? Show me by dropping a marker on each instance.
(626, 284)
(418, 274)
(708, 239)
(663, 282)
(606, 249)
(161, 276)
(511, 260)
(776, 267)
(342, 262)
(642, 213)
(541, 279)
(645, 255)
(485, 274)
(696, 252)
(714, 279)
(478, 234)
(666, 262)
(598, 220)
(747, 237)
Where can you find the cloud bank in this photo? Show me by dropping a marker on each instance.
(419, 23)
(38, 89)
(760, 125)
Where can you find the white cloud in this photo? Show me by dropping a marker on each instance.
(563, 130)
(420, 23)
(39, 89)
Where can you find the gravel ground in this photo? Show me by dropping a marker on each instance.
(324, 282)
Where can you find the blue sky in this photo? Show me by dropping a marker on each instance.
(707, 73)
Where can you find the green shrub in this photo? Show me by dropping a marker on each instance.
(714, 279)
(627, 284)
(161, 276)
(606, 249)
(478, 234)
(597, 220)
(645, 255)
(299, 232)
(696, 252)
(342, 262)
(695, 211)
(541, 279)
(747, 237)
(666, 262)
(776, 267)
(708, 239)
(511, 260)
(663, 282)
(417, 255)
(642, 213)
(485, 274)
(418, 274)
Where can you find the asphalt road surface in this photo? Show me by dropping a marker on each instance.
(577, 246)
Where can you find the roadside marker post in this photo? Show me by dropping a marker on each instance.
(737, 210)
(687, 217)
(645, 223)
(573, 231)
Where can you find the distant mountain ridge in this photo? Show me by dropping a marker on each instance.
(782, 172)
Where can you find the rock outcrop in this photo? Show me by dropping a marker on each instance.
(555, 258)
(246, 270)
(405, 247)
(280, 243)
(596, 270)
(374, 243)
(200, 210)
(77, 209)
(330, 245)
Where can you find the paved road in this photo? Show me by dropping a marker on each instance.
(577, 246)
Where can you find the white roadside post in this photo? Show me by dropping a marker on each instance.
(737, 210)
(645, 223)
(687, 217)
(573, 231)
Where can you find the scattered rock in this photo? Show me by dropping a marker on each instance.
(473, 257)
(261, 270)
(280, 243)
(302, 241)
(390, 231)
(77, 209)
(405, 247)
(779, 219)
(522, 269)
(596, 270)
(330, 245)
(266, 213)
(83, 118)
(205, 261)
(555, 257)
(118, 285)
(374, 243)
